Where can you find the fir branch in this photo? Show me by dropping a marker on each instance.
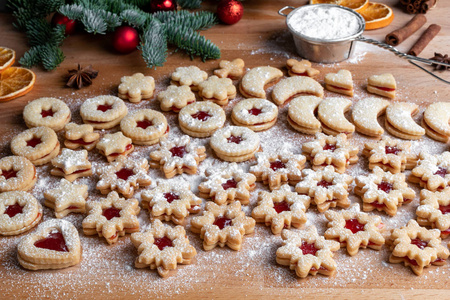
(72, 11)
(111, 19)
(190, 4)
(93, 22)
(31, 58)
(195, 21)
(164, 16)
(154, 44)
(51, 56)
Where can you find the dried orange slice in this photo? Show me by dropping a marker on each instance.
(324, 2)
(377, 15)
(15, 82)
(7, 57)
(356, 5)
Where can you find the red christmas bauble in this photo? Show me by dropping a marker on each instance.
(59, 19)
(163, 5)
(230, 11)
(125, 39)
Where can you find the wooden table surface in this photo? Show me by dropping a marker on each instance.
(260, 38)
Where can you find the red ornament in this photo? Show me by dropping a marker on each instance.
(59, 19)
(163, 5)
(230, 11)
(125, 39)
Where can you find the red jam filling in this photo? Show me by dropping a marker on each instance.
(9, 174)
(385, 187)
(54, 241)
(34, 142)
(222, 222)
(419, 243)
(144, 124)
(339, 88)
(314, 269)
(384, 88)
(104, 107)
(329, 147)
(12, 210)
(111, 212)
(81, 142)
(234, 139)
(201, 115)
(124, 173)
(163, 242)
(324, 183)
(171, 196)
(281, 206)
(277, 164)
(47, 113)
(73, 207)
(178, 151)
(378, 205)
(128, 147)
(391, 150)
(441, 172)
(308, 248)
(444, 209)
(176, 109)
(354, 225)
(301, 74)
(76, 172)
(230, 184)
(255, 111)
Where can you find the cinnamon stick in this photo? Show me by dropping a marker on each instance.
(427, 4)
(396, 37)
(424, 39)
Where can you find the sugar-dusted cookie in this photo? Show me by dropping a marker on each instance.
(399, 121)
(162, 247)
(436, 120)
(222, 225)
(434, 210)
(201, 119)
(301, 68)
(145, 126)
(326, 188)
(432, 171)
(125, 175)
(254, 113)
(217, 90)
(354, 229)
(175, 98)
(288, 88)
(257, 79)
(66, 198)
(234, 143)
(71, 164)
(383, 85)
(111, 217)
(301, 114)
(230, 69)
(307, 252)
(80, 136)
(54, 245)
(365, 115)
(103, 112)
(49, 112)
(191, 76)
(340, 82)
(280, 209)
(171, 201)
(177, 156)
(38, 144)
(19, 212)
(136, 87)
(331, 113)
(16, 174)
(417, 247)
(227, 184)
(114, 145)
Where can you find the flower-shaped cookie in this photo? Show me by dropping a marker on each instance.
(434, 210)
(175, 98)
(80, 136)
(307, 252)
(112, 217)
(171, 202)
(417, 247)
(227, 184)
(115, 145)
(222, 225)
(162, 247)
(383, 191)
(71, 164)
(230, 69)
(331, 150)
(124, 175)
(281, 209)
(136, 87)
(67, 198)
(16, 174)
(432, 171)
(301, 68)
(354, 229)
(327, 188)
(218, 90)
(177, 156)
(190, 76)
(278, 168)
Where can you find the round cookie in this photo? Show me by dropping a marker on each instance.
(145, 126)
(103, 112)
(201, 119)
(255, 113)
(16, 174)
(49, 112)
(234, 143)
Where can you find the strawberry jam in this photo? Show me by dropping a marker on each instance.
(111, 212)
(104, 107)
(222, 222)
(54, 241)
(47, 113)
(12, 210)
(163, 242)
(124, 173)
(308, 248)
(281, 206)
(234, 139)
(339, 88)
(178, 151)
(444, 209)
(255, 111)
(378, 205)
(81, 142)
(324, 183)
(171, 196)
(277, 164)
(128, 147)
(384, 88)
(329, 147)
(441, 172)
(419, 243)
(144, 124)
(201, 115)
(354, 225)
(230, 184)
(391, 150)
(9, 174)
(385, 187)
(34, 142)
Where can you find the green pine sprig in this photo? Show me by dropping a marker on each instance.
(154, 44)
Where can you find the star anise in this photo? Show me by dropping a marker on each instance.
(81, 77)
(441, 58)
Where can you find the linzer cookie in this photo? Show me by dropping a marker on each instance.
(191, 76)
(19, 212)
(222, 225)
(288, 88)
(71, 164)
(434, 209)
(257, 79)
(331, 113)
(201, 119)
(281, 209)
(162, 247)
(301, 114)
(301, 68)
(254, 113)
(54, 245)
(38, 144)
(365, 115)
(436, 120)
(175, 98)
(340, 82)
(227, 184)
(230, 69)
(136, 87)
(67, 198)
(432, 171)
(111, 217)
(115, 145)
(217, 90)
(80, 136)
(177, 156)
(399, 121)
(16, 174)
(235, 144)
(103, 112)
(145, 126)
(49, 112)
(383, 85)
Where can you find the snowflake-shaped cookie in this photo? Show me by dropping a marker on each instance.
(354, 229)
(218, 90)
(176, 97)
(71, 164)
(162, 247)
(171, 201)
(281, 208)
(124, 175)
(227, 184)
(331, 150)
(190, 76)
(432, 171)
(67, 198)
(80, 136)
(417, 247)
(307, 252)
(327, 188)
(112, 217)
(177, 156)
(434, 210)
(383, 191)
(278, 168)
(115, 145)
(222, 225)
(230, 69)
(136, 87)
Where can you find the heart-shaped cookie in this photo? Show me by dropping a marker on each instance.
(340, 82)
(383, 85)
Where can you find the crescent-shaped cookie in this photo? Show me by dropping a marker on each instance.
(365, 114)
(331, 114)
(254, 82)
(301, 114)
(399, 121)
(290, 87)
(436, 120)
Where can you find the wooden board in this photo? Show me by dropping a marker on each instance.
(261, 38)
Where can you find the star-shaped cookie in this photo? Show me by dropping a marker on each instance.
(71, 164)
(67, 198)
(115, 145)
